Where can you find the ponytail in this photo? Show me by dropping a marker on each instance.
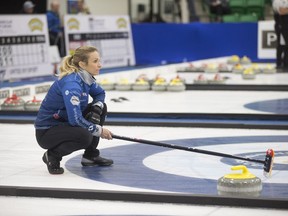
(67, 66)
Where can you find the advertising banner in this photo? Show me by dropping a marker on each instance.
(267, 40)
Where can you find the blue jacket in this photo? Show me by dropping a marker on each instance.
(54, 23)
(66, 99)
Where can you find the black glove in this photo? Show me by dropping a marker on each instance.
(94, 115)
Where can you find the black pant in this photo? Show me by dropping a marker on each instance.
(280, 49)
(284, 31)
(64, 139)
(58, 40)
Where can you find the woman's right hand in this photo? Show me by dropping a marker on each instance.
(106, 134)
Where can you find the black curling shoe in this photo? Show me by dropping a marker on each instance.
(92, 161)
(52, 166)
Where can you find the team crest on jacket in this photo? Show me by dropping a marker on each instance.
(75, 100)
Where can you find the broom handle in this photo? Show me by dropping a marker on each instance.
(149, 142)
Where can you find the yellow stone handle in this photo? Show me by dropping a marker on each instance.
(244, 175)
(241, 167)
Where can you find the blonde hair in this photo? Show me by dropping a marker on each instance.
(70, 63)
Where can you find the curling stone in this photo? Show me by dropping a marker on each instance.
(217, 79)
(223, 68)
(201, 68)
(13, 103)
(248, 73)
(159, 84)
(32, 105)
(269, 69)
(201, 80)
(239, 184)
(123, 85)
(233, 60)
(191, 68)
(211, 68)
(106, 84)
(256, 68)
(176, 84)
(141, 85)
(245, 60)
(238, 68)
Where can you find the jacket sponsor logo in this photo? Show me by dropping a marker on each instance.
(75, 100)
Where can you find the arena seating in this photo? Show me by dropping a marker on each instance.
(248, 7)
(256, 7)
(238, 6)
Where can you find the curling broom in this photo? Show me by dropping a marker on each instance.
(268, 162)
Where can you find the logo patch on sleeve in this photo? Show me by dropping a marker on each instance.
(75, 100)
(91, 128)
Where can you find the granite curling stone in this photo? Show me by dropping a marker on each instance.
(141, 85)
(123, 85)
(159, 84)
(32, 105)
(107, 84)
(176, 84)
(242, 184)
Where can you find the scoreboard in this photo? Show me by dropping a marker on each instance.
(24, 47)
(111, 35)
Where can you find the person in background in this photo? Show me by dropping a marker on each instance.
(192, 11)
(54, 27)
(280, 8)
(66, 122)
(28, 8)
(82, 8)
(219, 8)
(279, 47)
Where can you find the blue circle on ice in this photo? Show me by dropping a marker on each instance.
(279, 106)
(128, 168)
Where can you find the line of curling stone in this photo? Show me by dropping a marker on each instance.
(17, 103)
(142, 83)
(247, 73)
(217, 79)
(243, 184)
(235, 59)
(237, 66)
